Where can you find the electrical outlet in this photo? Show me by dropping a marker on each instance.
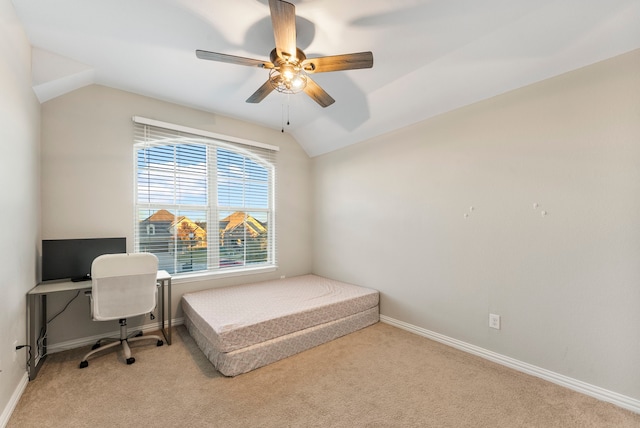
(494, 321)
(15, 351)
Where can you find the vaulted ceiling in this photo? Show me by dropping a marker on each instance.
(430, 56)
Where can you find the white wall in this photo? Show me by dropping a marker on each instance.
(19, 209)
(390, 214)
(87, 185)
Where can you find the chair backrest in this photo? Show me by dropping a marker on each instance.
(123, 285)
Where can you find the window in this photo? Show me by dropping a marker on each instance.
(203, 202)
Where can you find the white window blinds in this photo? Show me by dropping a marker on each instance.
(203, 203)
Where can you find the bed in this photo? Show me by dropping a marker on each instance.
(244, 327)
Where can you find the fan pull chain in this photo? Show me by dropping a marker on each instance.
(288, 122)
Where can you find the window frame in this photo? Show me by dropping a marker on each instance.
(247, 149)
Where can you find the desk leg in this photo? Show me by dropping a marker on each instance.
(43, 323)
(165, 332)
(34, 333)
(161, 303)
(169, 310)
(33, 340)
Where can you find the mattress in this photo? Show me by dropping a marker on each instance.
(239, 316)
(265, 320)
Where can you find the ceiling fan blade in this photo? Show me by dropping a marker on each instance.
(338, 62)
(318, 94)
(232, 59)
(261, 93)
(283, 19)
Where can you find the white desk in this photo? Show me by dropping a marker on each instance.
(43, 289)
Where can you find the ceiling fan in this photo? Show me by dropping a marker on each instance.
(289, 67)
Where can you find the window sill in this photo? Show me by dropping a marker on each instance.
(227, 273)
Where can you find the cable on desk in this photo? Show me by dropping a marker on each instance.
(65, 307)
(39, 342)
(42, 334)
(29, 350)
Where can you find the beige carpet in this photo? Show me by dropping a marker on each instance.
(377, 377)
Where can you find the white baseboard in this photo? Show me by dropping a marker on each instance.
(591, 390)
(52, 348)
(13, 402)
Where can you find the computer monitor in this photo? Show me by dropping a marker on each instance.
(72, 258)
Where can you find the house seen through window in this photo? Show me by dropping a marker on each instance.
(203, 204)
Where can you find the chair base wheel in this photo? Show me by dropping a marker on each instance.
(159, 343)
(131, 360)
(84, 364)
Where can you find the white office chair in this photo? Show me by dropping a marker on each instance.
(122, 286)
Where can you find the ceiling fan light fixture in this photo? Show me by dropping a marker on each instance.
(288, 79)
(299, 82)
